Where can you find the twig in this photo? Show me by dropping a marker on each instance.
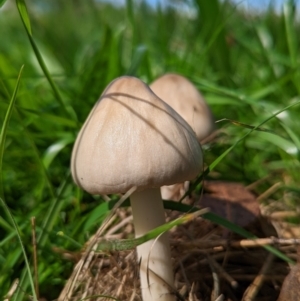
(283, 214)
(183, 290)
(243, 243)
(218, 256)
(211, 137)
(12, 290)
(121, 224)
(172, 290)
(85, 291)
(253, 185)
(132, 295)
(220, 298)
(192, 296)
(35, 260)
(252, 291)
(121, 286)
(216, 281)
(223, 273)
(248, 277)
(269, 192)
(184, 273)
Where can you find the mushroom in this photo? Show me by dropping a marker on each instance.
(133, 138)
(186, 100)
(179, 93)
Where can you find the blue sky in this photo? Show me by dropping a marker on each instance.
(256, 5)
(248, 4)
(261, 4)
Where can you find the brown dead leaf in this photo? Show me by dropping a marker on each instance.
(290, 290)
(231, 201)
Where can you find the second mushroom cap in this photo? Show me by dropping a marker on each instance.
(186, 100)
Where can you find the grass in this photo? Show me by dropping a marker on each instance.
(246, 65)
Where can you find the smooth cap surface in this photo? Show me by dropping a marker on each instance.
(185, 99)
(133, 138)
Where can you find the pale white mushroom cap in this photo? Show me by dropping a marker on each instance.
(186, 100)
(133, 138)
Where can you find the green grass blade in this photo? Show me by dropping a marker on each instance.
(214, 218)
(224, 154)
(284, 144)
(53, 212)
(127, 244)
(205, 85)
(36, 152)
(55, 119)
(138, 56)
(294, 136)
(95, 215)
(5, 225)
(10, 236)
(131, 19)
(2, 3)
(22, 8)
(248, 126)
(54, 149)
(70, 239)
(5, 126)
(22, 247)
(291, 35)
(24, 15)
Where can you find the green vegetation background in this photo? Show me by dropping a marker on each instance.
(245, 64)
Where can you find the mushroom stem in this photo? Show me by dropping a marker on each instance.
(148, 213)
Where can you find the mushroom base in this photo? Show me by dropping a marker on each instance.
(156, 273)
